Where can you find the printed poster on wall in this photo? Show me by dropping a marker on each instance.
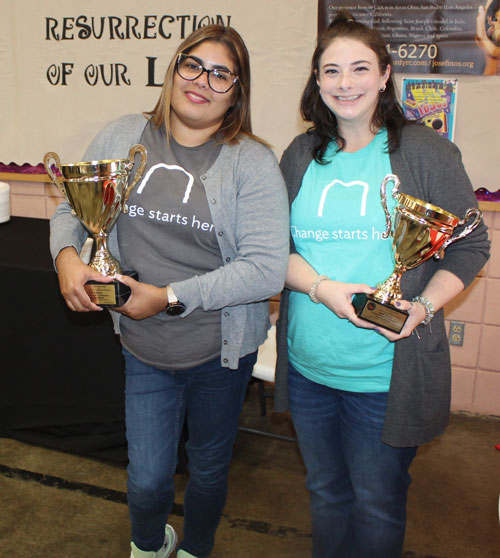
(429, 37)
(432, 102)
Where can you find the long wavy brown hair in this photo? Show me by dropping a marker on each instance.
(237, 121)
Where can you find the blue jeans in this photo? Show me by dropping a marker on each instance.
(156, 403)
(358, 485)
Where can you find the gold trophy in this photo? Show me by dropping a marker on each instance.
(97, 192)
(420, 231)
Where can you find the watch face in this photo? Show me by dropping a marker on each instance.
(175, 309)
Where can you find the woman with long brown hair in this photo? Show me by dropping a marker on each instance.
(362, 397)
(207, 232)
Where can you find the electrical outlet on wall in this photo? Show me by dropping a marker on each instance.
(457, 331)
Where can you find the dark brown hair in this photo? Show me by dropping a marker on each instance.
(388, 111)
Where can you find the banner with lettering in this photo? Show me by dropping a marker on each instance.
(67, 68)
(425, 36)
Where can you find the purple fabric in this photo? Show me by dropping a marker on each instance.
(23, 169)
(482, 194)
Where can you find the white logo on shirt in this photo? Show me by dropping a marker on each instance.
(187, 193)
(365, 186)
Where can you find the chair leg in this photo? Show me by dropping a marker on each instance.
(263, 412)
(262, 398)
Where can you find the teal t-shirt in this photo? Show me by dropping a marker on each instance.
(337, 221)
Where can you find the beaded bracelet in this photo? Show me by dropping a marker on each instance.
(428, 307)
(314, 286)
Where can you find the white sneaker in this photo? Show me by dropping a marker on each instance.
(164, 552)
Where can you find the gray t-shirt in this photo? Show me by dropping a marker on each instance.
(168, 236)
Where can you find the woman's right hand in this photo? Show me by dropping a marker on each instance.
(73, 274)
(337, 296)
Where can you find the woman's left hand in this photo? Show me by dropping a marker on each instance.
(416, 314)
(442, 288)
(145, 300)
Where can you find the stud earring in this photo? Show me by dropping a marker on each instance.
(382, 89)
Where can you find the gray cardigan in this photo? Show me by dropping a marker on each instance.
(430, 168)
(248, 204)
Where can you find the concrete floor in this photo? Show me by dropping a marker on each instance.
(55, 505)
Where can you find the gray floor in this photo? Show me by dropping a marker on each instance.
(55, 505)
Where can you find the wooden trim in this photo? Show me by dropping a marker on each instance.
(21, 177)
(489, 206)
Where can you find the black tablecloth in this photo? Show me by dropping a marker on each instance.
(61, 372)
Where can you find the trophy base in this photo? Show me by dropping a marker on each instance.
(112, 294)
(378, 313)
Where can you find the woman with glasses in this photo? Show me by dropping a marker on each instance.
(207, 232)
(362, 398)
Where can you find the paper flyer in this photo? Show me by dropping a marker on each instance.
(431, 101)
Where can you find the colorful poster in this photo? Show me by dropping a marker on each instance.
(432, 102)
(429, 37)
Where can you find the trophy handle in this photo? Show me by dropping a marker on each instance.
(137, 148)
(468, 229)
(383, 197)
(57, 180)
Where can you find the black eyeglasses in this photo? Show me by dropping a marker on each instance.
(191, 68)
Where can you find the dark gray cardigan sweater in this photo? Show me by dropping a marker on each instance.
(430, 168)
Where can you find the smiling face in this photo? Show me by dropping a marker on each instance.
(197, 111)
(349, 80)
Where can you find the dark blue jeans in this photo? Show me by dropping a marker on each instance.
(358, 485)
(156, 403)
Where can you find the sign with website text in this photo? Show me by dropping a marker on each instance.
(449, 37)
